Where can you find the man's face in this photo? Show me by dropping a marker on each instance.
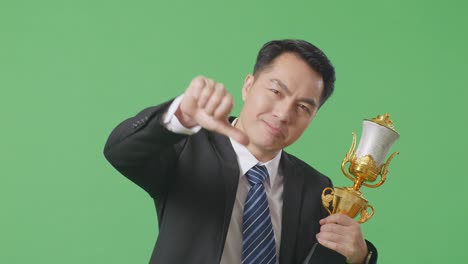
(279, 104)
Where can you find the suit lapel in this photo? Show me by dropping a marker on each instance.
(230, 173)
(292, 206)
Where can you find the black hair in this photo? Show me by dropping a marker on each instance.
(312, 55)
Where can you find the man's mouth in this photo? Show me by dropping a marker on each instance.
(275, 130)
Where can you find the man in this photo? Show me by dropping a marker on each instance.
(224, 189)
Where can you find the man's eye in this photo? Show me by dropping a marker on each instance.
(275, 91)
(304, 108)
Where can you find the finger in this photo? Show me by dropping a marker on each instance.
(345, 239)
(343, 250)
(206, 93)
(332, 237)
(223, 127)
(341, 219)
(350, 234)
(189, 105)
(215, 99)
(354, 250)
(334, 228)
(195, 87)
(224, 108)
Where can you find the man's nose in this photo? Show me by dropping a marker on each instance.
(283, 111)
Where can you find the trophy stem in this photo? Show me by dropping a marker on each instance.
(358, 183)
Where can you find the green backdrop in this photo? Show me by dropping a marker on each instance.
(70, 71)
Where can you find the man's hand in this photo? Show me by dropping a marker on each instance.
(207, 104)
(342, 234)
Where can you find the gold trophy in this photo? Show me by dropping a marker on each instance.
(366, 164)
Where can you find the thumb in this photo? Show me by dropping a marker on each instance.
(225, 128)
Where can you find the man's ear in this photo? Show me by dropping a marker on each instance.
(248, 82)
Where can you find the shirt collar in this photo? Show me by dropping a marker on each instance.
(247, 160)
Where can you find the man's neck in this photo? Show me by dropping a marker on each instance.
(262, 155)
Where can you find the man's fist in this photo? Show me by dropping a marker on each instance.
(207, 104)
(341, 233)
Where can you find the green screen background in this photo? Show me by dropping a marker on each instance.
(70, 71)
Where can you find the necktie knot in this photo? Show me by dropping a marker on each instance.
(257, 174)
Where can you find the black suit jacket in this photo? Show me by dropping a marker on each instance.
(193, 181)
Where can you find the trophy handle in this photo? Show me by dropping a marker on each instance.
(348, 158)
(365, 215)
(327, 198)
(383, 173)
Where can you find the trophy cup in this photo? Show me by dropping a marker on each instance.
(366, 164)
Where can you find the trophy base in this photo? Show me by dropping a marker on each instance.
(347, 201)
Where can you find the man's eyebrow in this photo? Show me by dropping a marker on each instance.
(310, 101)
(282, 85)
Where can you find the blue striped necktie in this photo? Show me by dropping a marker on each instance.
(258, 245)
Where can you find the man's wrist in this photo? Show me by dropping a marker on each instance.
(172, 123)
(184, 119)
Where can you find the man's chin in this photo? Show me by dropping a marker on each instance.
(268, 145)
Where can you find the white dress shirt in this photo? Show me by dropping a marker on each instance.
(273, 186)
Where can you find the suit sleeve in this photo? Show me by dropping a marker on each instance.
(144, 151)
(372, 256)
(323, 255)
